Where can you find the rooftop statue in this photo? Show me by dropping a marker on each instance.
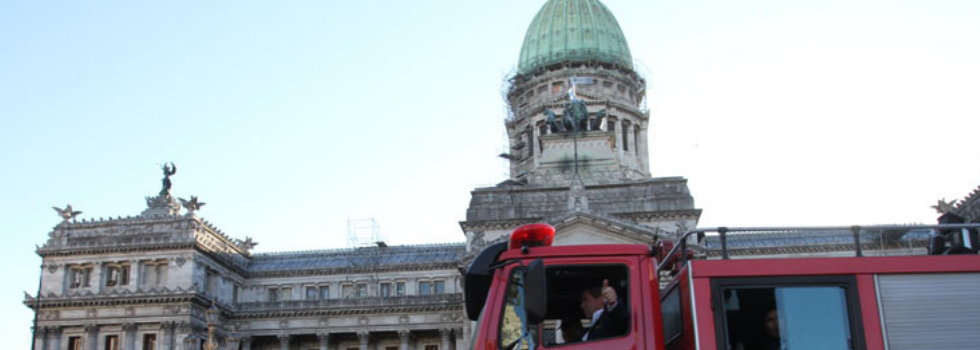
(575, 118)
(191, 205)
(168, 171)
(67, 214)
(943, 207)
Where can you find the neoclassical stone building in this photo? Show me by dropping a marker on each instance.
(578, 160)
(144, 282)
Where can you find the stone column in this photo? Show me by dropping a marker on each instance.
(405, 336)
(182, 331)
(129, 336)
(167, 338)
(92, 333)
(284, 342)
(246, 343)
(324, 341)
(459, 338)
(644, 148)
(364, 337)
(55, 336)
(445, 333)
(40, 336)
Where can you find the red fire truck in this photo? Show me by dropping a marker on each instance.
(527, 294)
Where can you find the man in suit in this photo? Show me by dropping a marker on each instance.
(609, 317)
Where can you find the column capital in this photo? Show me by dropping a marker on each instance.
(56, 330)
(404, 334)
(446, 332)
(364, 336)
(283, 337)
(91, 328)
(129, 327)
(323, 337)
(245, 339)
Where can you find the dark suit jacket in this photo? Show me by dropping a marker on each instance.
(612, 323)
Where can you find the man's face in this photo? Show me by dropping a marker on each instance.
(590, 304)
(772, 323)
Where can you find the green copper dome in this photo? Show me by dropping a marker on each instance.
(573, 30)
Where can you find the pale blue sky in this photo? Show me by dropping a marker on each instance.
(290, 117)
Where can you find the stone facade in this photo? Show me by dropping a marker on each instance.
(144, 282)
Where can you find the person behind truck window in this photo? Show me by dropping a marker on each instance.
(770, 324)
(571, 329)
(609, 316)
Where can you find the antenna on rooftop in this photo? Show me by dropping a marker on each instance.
(364, 233)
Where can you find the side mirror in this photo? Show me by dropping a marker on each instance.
(535, 292)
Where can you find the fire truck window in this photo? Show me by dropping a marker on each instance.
(512, 330)
(798, 318)
(670, 307)
(566, 322)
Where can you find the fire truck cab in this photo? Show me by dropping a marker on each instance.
(526, 294)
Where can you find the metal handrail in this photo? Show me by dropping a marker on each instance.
(724, 231)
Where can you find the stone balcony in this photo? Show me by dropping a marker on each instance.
(408, 301)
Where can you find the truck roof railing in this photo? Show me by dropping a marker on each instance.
(898, 231)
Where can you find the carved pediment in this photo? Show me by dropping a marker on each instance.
(589, 228)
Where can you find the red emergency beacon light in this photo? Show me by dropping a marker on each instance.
(532, 235)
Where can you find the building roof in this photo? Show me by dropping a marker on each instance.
(358, 257)
(573, 30)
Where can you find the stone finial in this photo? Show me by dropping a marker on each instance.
(247, 245)
(943, 207)
(67, 214)
(191, 205)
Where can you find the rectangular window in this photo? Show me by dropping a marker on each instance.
(74, 343)
(347, 291)
(111, 342)
(117, 275)
(577, 286)
(440, 287)
(400, 288)
(425, 288)
(149, 342)
(310, 293)
(234, 294)
(324, 292)
(670, 308)
(385, 290)
(79, 276)
(362, 290)
(788, 313)
(273, 295)
(154, 273)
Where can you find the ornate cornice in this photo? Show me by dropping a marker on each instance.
(351, 270)
(497, 224)
(115, 299)
(654, 215)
